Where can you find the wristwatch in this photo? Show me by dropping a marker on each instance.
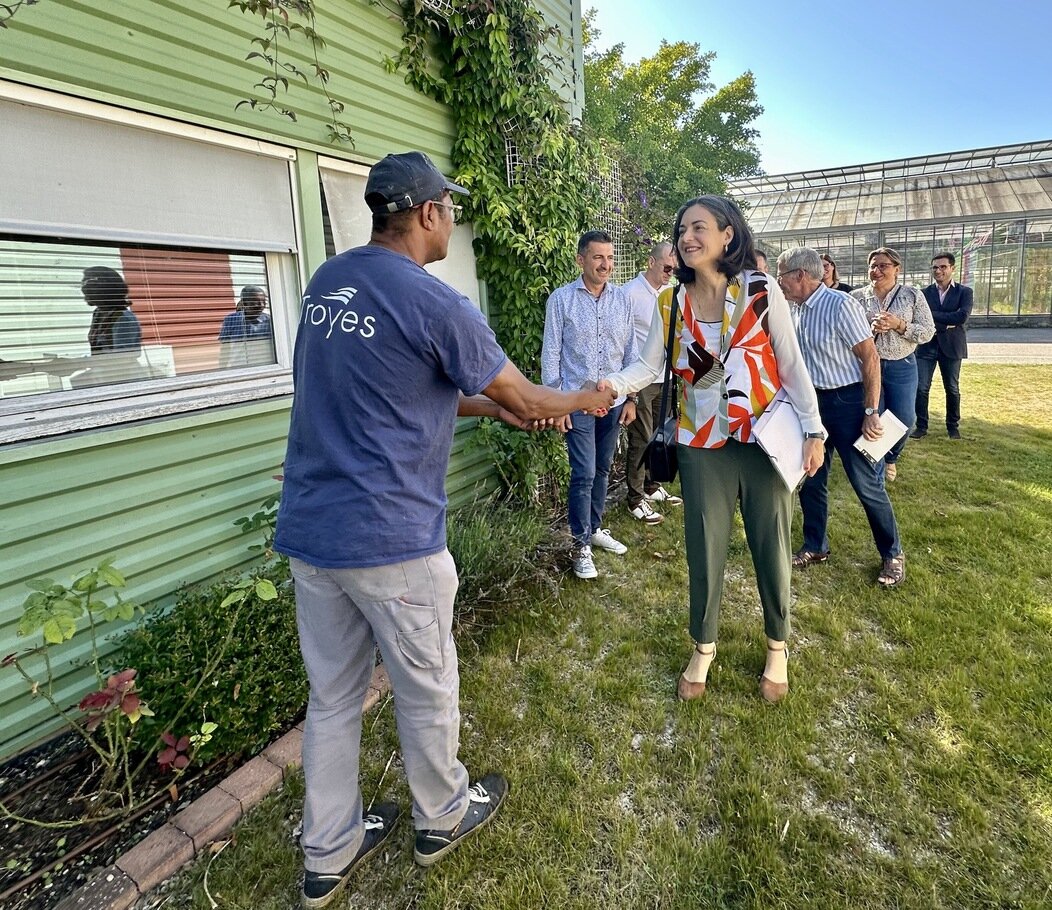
(871, 411)
(821, 436)
(632, 398)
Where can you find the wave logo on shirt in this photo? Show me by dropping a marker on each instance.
(339, 316)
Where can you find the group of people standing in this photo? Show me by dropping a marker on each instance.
(362, 515)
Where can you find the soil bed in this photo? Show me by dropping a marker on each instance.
(39, 866)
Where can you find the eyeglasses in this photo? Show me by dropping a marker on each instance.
(883, 266)
(668, 269)
(455, 210)
(782, 275)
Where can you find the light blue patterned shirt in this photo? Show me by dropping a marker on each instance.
(586, 338)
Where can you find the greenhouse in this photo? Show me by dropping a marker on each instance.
(992, 208)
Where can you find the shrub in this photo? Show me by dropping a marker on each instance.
(506, 556)
(259, 685)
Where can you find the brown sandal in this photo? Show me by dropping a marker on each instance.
(804, 558)
(687, 690)
(893, 571)
(772, 692)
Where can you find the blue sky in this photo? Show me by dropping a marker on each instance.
(845, 82)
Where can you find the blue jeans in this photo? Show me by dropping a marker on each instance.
(898, 393)
(591, 445)
(842, 411)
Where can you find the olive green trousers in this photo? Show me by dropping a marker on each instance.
(714, 480)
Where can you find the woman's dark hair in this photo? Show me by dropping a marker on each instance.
(104, 287)
(740, 254)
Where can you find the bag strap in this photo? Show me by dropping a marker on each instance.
(673, 313)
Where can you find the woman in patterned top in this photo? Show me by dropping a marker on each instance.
(734, 347)
(901, 320)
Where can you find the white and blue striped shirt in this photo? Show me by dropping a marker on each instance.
(829, 324)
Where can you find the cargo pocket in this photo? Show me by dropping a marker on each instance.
(422, 647)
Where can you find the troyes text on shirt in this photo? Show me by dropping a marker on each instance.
(341, 316)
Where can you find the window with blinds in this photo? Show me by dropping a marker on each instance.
(87, 314)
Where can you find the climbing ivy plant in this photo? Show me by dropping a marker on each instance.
(486, 61)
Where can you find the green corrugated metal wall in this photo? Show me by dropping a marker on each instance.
(187, 57)
(162, 496)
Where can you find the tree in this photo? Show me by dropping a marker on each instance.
(673, 132)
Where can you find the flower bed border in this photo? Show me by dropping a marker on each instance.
(208, 818)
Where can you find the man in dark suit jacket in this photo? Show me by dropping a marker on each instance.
(950, 304)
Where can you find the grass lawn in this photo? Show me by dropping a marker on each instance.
(910, 765)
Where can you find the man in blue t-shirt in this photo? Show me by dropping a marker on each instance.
(386, 358)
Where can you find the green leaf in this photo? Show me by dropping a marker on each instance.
(232, 598)
(59, 629)
(265, 590)
(126, 611)
(111, 576)
(86, 582)
(40, 584)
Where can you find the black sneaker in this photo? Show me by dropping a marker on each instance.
(484, 799)
(319, 888)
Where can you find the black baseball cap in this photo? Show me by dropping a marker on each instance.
(398, 182)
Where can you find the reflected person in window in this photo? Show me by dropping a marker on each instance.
(248, 320)
(245, 336)
(113, 325)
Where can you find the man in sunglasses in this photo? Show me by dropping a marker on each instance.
(642, 292)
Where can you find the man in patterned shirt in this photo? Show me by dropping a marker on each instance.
(588, 333)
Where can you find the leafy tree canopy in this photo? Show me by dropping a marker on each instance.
(675, 134)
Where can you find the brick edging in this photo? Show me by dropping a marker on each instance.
(162, 853)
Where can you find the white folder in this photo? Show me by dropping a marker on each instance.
(876, 449)
(780, 434)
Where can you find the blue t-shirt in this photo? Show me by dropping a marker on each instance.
(382, 350)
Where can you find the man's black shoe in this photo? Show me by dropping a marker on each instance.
(954, 433)
(918, 434)
(484, 799)
(320, 889)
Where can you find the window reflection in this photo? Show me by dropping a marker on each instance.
(75, 315)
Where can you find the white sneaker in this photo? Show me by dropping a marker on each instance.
(663, 495)
(646, 514)
(605, 541)
(583, 565)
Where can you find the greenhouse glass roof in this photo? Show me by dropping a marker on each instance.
(1009, 179)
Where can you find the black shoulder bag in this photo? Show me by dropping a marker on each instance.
(660, 454)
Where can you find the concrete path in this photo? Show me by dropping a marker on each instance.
(992, 345)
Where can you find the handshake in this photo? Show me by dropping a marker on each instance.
(606, 396)
(592, 398)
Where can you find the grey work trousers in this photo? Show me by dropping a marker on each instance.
(713, 482)
(406, 609)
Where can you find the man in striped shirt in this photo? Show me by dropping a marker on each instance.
(837, 345)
